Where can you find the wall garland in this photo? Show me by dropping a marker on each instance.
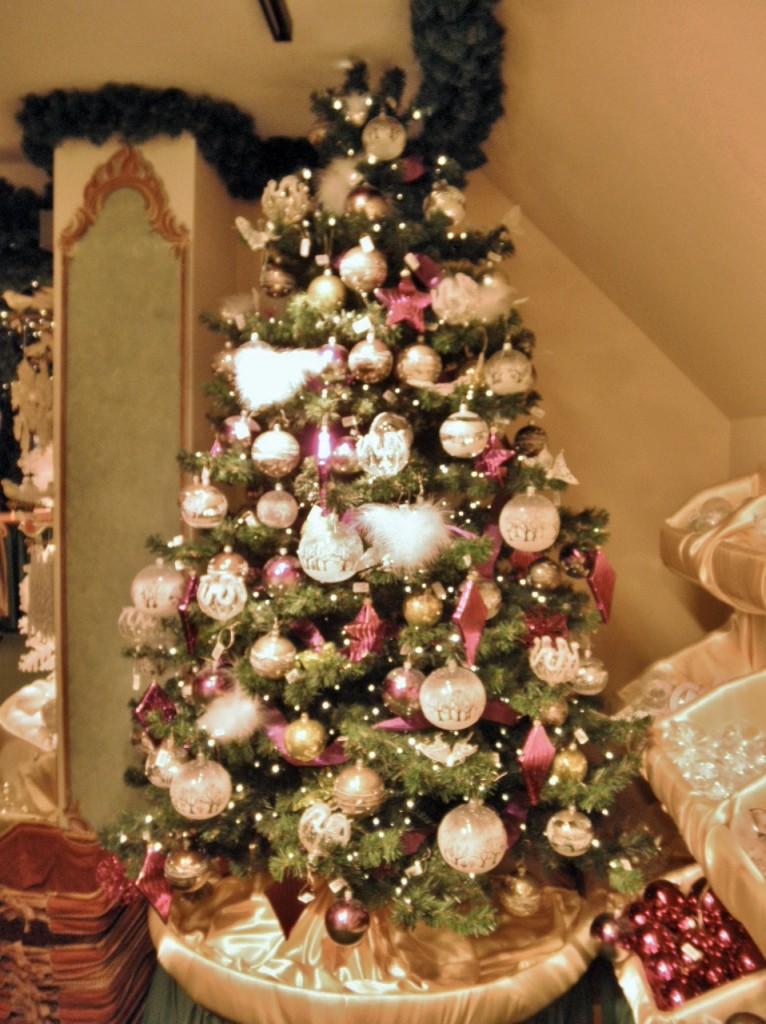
(458, 46)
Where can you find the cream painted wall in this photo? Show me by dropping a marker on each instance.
(639, 437)
(748, 445)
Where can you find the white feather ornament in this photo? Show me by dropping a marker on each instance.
(233, 716)
(267, 376)
(336, 181)
(255, 239)
(404, 537)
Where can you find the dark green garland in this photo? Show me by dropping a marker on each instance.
(22, 262)
(458, 44)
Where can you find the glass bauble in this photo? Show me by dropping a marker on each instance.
(141, 628)
(519, 894)
(472, 838)
(282, 573)
(229, 561)
(358, 790)
(570, 764)
(490, 594)
(710, 514)
(238, 430)
(362, 268)
(287, 200)
(446, 200)
(452, 697)
(221, 595)
(272, 655)
(366, 201)
(591, 676)
(555, 713)
(201, 789)
(344, 459)
(384, 137)
(529, 521)
(347, 921)
(275, 452)
(157, 589)
(326, 292)
(329, 550)
(277, 508)
(320, 828)
(464, 434)
(305, 738)
(544, 574)
(423, 608)
(212, 681)
(554, 660)
(530, 440)
(186, 870)
(401, 690)
(333, 362)
(162, 763)
(202, 506)
(385, 450)
(276, 281)
(576, 562)
(418, 364)
(370, 360)
(569, 832)
(508, 372)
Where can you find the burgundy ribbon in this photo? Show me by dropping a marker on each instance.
(275, 725)
(189, 594)
(307, 632)
(152, 883)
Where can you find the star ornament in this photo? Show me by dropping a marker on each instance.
(491, 461)
(404, 304)
(366, 632)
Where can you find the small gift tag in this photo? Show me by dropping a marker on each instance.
(322, 259)
(366, 244)
(581, 736)
(338, 885)
(439, 590)
(305, 246)
(360, 587)
(362, 326)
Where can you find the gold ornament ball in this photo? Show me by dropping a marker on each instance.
(519, 895)
(186, 870)
(326, 292)
(447, 200)
(555, 713)
(418, 363)
(275, 452)
(424, 609)
(363, 269)
(370, 360)
(570, 764)
(491, 595)
(229, 561)
(272, 656)
(366, 201)
(544, 573)
(277, 282)
(358, 790)
(570, 832)
(305, 738)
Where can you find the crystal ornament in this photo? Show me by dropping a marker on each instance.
(452, 697)
(157, 589)
(508, 372)
(201, 789)
(569, 832)
(330, 550)
(529, 521)
(554, 660)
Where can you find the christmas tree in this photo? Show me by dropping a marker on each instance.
(371, 649)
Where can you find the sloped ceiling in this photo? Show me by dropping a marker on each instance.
(634, 133)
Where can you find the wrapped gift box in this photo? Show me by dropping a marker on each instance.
(69, 951)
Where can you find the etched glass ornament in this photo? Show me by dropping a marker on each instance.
(464, 434)
(508, 372)
(200, 789)
(385, 450)
(221, 595)
(529, 521)
(163, 762)
(329, 550)
(418, 364)
(362, 268)
(452, 697)
(384, 138)
(157, 589)
(320, 828)
(370, 360)
(275, 452)
(358, 790)
(519, 894)
(186, 870)
(554, 660)
(472, 838)
(272, 655)
(569, 832)
(277, 508)
(591, 676)
(202, 506)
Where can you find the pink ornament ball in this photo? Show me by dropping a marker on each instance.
(401, 691)
(282, 573)
(347, 921)
(211, 682)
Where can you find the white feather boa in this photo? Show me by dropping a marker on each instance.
(267, 376)
(404, 537)
(233, 716)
